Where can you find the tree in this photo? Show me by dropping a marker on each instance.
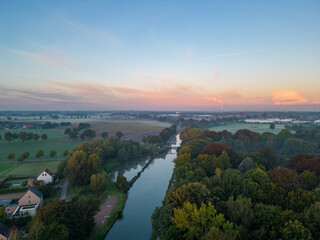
(246, 165)
(36, 137)
(76, 169)
(119, 135)
(193, 192)
(11, 156)
(67, 131)
(98, 182)
(29, 136)
(105, 135)
(73, 135)
(240, 211)
(285, 178)
(294, 230)
(65, 153)
(52, 153)
(272, 126)
(39, 153)
(0, 137)
(44, 137)
(14, 136)
(23, 136)
(122, 182)
(8, 136)
(312, 219)
(3, 215)
(202, 223)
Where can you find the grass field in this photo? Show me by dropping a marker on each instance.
(256, 127)
(7, 167)
(58, 141)
(56, 137)
(30, 169)
(123, 125)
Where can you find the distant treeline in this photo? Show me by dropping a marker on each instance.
(32, 125)
(163, 136)
(22, 136)
(244, 140)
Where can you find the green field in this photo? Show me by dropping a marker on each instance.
(29, 168)
(56, 140)
(134, 125)
(256, 127)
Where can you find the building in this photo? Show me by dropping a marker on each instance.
(29, 203)
(4, 232)
(46, 176)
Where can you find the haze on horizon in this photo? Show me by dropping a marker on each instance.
(160, 55)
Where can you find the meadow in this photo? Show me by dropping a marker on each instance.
(56, 140)
(256, 127)
(28, 168)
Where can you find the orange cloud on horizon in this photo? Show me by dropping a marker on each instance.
(287, 97)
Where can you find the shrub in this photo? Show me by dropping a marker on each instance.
(39, 153)
(11, 156)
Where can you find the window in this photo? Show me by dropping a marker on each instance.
(42, 174)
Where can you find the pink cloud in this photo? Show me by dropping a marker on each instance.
(287, 97)
(44, 59)
(215, 100)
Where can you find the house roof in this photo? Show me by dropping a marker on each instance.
(4, 230)
(35, 191)
(5, 201)
(47, 171)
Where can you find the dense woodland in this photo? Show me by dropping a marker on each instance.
(243, 186)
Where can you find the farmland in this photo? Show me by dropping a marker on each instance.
(58, 141)
(256, 127)
(29, 168)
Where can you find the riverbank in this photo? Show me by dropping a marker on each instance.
(117, 200)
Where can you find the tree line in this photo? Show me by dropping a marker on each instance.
(218, 192)
(162, 138)
(23, 136)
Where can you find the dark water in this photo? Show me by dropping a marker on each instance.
(146, 194)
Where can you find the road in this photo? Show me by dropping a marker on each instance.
(65, 191)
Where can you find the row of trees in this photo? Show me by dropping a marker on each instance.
(23, 136)
(219, 193)
(162, 138)
(26, 154)
(244, 140)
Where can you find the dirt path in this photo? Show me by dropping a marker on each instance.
(105, 210)
(12, 195)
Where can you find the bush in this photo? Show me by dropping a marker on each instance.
(52, 153)
(39, 153)
(65, 153)
(11, 156)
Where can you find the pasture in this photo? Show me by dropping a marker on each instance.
(256, 127)
(56, 140)
(29, 168)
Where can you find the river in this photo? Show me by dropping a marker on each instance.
(144, 196)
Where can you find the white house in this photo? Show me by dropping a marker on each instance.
(46, 176)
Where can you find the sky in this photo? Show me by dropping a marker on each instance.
(160, 55)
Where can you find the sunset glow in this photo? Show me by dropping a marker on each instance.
(215, 56)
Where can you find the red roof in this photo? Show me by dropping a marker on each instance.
(47, 171)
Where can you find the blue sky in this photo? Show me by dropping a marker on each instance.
(177, 55)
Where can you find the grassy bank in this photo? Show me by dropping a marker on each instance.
(101, 232)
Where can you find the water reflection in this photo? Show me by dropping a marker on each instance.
(146, 194)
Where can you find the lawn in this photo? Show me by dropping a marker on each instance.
(7, 167)
(30, 168)
(111, 164)
(56, 140)
(256, 127)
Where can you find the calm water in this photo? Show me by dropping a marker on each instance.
(146, 194)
